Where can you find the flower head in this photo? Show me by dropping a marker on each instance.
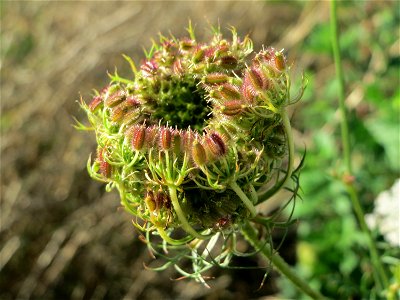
(193, 139)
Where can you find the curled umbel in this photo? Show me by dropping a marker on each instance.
(195, 139)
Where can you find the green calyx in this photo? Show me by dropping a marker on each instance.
(196, 135)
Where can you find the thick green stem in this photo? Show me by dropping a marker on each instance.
(265, 248)
(347, 150)
(181, 216)
(247, 202)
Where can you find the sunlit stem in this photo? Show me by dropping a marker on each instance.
(246, 201)
(268, 252)
(181, 215)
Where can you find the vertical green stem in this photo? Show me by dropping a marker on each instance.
(251, 236)
(247, 202)
(347, 150)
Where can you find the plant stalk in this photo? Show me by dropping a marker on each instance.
(347, 150)
(250, 234)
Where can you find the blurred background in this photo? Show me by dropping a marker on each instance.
(63, 237)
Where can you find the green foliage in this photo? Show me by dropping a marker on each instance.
(333, 252)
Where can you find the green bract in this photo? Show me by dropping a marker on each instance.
(196, 138)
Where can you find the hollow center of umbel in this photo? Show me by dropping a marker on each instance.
(183, 104)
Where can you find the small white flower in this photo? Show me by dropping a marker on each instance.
(386, 215)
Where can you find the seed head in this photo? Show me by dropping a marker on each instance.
(255, 79)
(228, 62)
(149, 68)
(199, 155)
(232, 107)
(165, 138)
(138, 133)
(115, 99)
(104, 166)
(215, 78)
(215, 145)
(95, 103)
(151, 136)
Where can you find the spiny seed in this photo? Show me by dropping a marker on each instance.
(149, 68)
(177, 67)
(138, 137)
(118, 113)
(165, 138)
(198, 154)
(132, 101)
(115, 99)
(221, 50)
(198, 55)
(248, 92)
(255, 78)
(228, 62)
(95, 103)
(131, 116)
(187, 44)
(229, 91)
(215, 144)
(187, 139)
(232, 107)
(151, 136)
(215, 78)
(279, 61)
(176, 141)
(104, 167)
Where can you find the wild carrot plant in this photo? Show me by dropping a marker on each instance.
(193, 142)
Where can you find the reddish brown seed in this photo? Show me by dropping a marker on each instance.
(199, 154)
(177, 67)
(165, 138)
(215, 78)
(255, 78)
(104, 166)
(95, 103)
(187, 138)
(248, 92)
(131, 101)
(187, 44)
(279, 61)
(215, 144)
(131, 116)
(232, 107)
(229, 91)
(115, 99)
(228, 62)
(149, 68)
(118, 113)
(151, 136)
(138, 137)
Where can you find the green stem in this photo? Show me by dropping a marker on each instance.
(262, 196)
(384, 281)
(181, 216)
(347, 150)
(339, 75)
(265, 248)
(247, 202)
